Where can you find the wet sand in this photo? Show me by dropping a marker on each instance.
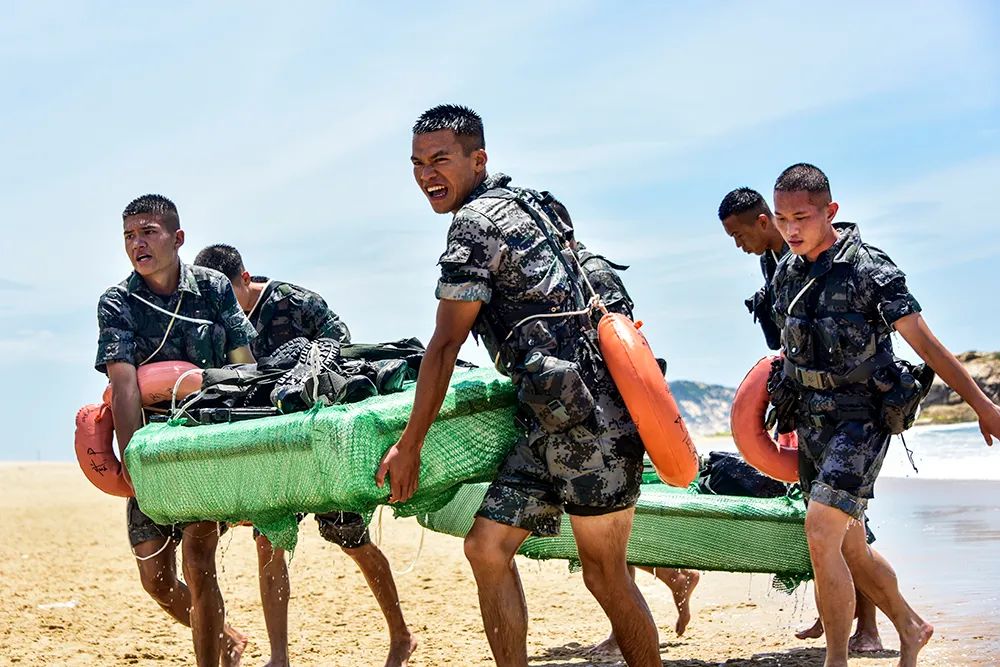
(70, 594)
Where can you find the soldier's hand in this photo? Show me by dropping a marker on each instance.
(402, 464)
(989, 423)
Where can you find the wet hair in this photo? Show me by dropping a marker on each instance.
(742, 200)
(803, 177)
(157, 205)
(223, 258)
(463, 121)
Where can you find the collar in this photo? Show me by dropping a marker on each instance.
(497, 180)
(187, 282)
(841, 252)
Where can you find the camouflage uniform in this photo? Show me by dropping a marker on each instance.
(761, 304)
(131, 331)
(834, 332)
(283, 312)
(498, 254)
(286, 311)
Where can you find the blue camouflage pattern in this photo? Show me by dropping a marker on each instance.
(286, 311)
(498, 254)
(130, 331)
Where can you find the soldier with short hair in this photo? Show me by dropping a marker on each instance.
(279, 312)
(748, 220)
(167, 310)
(506, 277)
(837, 300)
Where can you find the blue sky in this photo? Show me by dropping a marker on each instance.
(286, 133)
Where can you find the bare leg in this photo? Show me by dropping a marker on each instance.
(681, 583)
(814, 631)
(207, 608)
(877, 580)
(490, 549)
(373, 564)
(601, 542)
(826, 528)
(866, 638)
(158, 575)
(275, 589)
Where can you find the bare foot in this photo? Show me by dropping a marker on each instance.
(400, 651)
(235, 644)
(681, 585)
(276, 663)
(607, 648)
(915, 640)
(814, 631)
(865, 642)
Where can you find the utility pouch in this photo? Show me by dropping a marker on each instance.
(555, 393)
(826, 343)
(799, 342)
(901, 403)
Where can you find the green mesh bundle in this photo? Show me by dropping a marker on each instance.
(266, 470)
(677, 528)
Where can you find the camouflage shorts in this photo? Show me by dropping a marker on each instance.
(345, 529)
(841, 471)
(142, 529)
(545, 474)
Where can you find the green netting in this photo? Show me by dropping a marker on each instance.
(266, 470)
(677, 528)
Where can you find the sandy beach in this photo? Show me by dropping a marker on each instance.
(70, 595)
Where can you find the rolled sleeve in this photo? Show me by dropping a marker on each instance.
(116, 331)
(893, 299)
(470, 259)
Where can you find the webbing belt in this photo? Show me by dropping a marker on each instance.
(826, 380)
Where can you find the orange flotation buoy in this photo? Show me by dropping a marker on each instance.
(95, 425)
(95, 430)
(780, 459)
(156, 381)
(648, 399)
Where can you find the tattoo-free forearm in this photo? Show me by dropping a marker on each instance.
(949, 369)
(126, 406)
(432, 384)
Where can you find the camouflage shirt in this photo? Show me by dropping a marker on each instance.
(130, 330)
(286, 311)
(498, 254)
(838, 311)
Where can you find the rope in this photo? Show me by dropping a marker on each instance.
(173, 316)
(155, 554)
(420, 546)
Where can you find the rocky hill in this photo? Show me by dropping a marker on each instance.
(943, 406)
(705, 407)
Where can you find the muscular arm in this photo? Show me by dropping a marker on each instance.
(915, 331)
(402, 461)
(126, 404)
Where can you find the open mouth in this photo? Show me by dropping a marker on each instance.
(143, 257)
(435, 192)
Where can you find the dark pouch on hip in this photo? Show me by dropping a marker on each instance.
(555, 393)
(901, 403)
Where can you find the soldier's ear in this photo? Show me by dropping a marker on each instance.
(480, 159)
(831, 210)
(762, 220)
(178, 239)
(245, 278)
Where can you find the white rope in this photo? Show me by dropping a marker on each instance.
(170, 324)
(153, 555)
(173, 315)
(420, 546)
(799, 295)
(177, 386)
